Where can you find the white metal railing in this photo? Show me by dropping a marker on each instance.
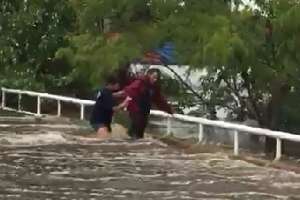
(58, 98)
(237, 128)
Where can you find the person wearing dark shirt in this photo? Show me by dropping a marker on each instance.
(143, 92)
(104, 108)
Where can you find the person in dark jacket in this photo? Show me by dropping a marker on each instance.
(104, 108)
(143, 91)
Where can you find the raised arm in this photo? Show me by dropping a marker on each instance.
(161, 102)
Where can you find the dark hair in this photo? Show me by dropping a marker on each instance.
(111, 79)
(154, 70)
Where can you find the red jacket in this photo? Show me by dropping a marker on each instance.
(136, 91)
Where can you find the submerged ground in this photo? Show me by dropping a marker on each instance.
(50, 159)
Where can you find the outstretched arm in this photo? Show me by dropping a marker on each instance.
(131, 90)
(122, 105)
(161, 102)
(119, 94)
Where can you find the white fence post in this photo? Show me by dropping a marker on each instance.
(19, 101)
(279, 135)
(58, 108)
(81, 111)
(168, 125)
(236, 143)
(38, 105)
(278, 149)
(3, 99)
(200, 136)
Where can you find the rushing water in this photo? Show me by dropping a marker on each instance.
(48, 161)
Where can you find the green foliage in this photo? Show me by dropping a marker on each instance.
(256, 59)
(21, 79)
(112, 32)
(250, 54)
(30, 33)
(94, 57)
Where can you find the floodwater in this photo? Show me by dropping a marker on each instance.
(51, 161)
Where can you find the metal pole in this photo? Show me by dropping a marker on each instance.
(3, 99)
(200, 136)
(82, 112)
(19, 101)
(38, 105)
(278, 149)
(236, 143)
(169, 126)
(58, 108)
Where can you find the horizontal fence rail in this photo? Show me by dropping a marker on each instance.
(237, 128)
(58, 98)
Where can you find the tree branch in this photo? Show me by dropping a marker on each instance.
(187, 86)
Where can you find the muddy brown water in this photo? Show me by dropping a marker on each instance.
(52, 160)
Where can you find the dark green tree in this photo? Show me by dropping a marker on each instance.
(30, 34)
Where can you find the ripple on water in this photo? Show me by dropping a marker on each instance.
(56, 165)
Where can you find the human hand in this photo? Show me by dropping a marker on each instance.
(128, 99)
(126, 102)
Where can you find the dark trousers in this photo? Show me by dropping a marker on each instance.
(138, 124)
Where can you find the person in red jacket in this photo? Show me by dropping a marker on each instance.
(143, 91)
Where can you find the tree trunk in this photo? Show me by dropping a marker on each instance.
(279, 91)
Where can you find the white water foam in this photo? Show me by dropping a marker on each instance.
(58, 137)
(51, 137)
